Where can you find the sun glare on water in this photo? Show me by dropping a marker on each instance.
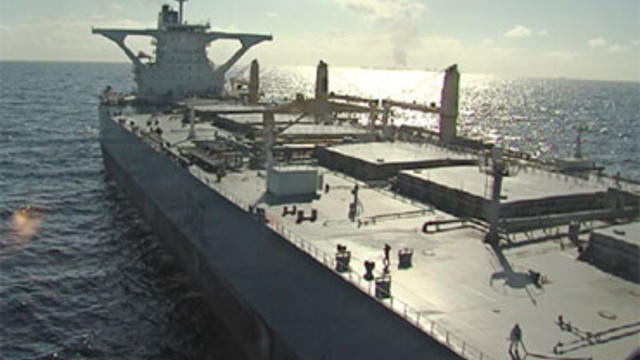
(25, 223)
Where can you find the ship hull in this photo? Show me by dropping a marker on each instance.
(117, 146)
(276, 301)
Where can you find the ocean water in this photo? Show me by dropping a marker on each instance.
(537, 116)
(87, 280)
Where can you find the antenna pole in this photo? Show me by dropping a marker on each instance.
(180, 14)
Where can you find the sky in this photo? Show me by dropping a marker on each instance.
(586, 39)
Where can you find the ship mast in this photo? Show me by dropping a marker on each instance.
(180, 14)
(498, 170)
(578, 151)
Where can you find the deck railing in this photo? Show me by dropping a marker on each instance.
(438, 332)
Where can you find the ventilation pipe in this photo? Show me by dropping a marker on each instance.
(191, 118)
(449, 104)
(498, 171)
(268, 126)
(254, 83)
(322, 92)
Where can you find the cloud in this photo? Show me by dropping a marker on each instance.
(519, 31)
(335, 46)
(597, 42)
(487, 42)
(399, 20)
(562, 55)
(618, 48)
(384, 9)
(271, 14)
(116, 8)
(68, 38)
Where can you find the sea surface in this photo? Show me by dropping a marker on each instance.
(85, 278)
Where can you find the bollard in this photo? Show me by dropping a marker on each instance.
(383, 287)
(369, 266)
(342, 261)
(286, 211)
(404, 258)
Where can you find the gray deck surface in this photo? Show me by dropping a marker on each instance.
(227, 108)
(451, 278)
(532, 184)
(256, 118)
(457, 281)
(629, 233)
(396, 152)
(313, 129)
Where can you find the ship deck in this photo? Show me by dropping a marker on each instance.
(255, 119)
(530, 183)
(397, 152)
(459, 289)
(462, 284)
(627, 233)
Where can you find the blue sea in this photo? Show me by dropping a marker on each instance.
(89, 281)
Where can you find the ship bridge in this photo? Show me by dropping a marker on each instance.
(181, 67)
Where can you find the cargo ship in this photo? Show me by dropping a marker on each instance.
(318, 229)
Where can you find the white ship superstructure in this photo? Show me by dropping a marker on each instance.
(180, 66)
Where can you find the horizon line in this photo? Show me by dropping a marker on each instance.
(341, 66)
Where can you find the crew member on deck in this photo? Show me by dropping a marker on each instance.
(387, 250)
(516, 339)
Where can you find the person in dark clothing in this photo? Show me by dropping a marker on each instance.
(385, 262)
(516, 339)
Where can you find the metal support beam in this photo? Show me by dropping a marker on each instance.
(119, 36)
